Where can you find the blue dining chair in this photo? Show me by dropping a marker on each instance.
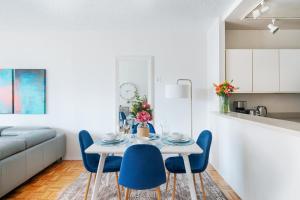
(198, 162)
(90, 161)
(134, 128)
(142, 168)
(122, 116)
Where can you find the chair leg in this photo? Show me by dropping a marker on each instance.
(158, 192)
(118, 186)
(174, 187)
(194, 179)
(202, 187)
(127, 194)
(168, 179)
(87, 187)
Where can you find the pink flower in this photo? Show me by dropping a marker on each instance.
(143, 116)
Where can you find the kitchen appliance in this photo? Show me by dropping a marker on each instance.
(261, 111)
(240, 107)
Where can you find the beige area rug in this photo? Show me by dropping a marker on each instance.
(108, 190)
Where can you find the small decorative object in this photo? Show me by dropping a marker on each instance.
(30, 91)
(6, 91)
(224, 91)
(142, 112)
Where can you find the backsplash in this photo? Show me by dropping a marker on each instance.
(273, 102)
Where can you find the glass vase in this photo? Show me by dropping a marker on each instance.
(224, 104)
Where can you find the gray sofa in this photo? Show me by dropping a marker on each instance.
(25, 151)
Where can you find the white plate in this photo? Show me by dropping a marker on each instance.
(183, 139)
(115, 139)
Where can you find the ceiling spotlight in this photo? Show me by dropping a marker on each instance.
(273, 29)
(256, 13)
(264, 8)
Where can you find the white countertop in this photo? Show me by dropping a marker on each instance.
(279, 123)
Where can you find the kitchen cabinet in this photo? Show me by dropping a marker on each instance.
(239, 68)
(265, 70)
(289, 70)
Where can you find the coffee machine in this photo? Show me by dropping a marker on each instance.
(240, 107)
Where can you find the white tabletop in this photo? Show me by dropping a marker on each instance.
(165, 149)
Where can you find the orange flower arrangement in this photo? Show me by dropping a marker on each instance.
(225, 89)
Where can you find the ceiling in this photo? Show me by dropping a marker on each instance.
(278, 8)
(94, 14)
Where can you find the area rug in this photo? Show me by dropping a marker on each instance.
(108, 191)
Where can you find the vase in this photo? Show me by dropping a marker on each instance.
(143, 130)
(224, 104)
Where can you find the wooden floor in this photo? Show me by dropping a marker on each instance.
(50, 182)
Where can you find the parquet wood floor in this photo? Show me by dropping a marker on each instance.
(50, 182)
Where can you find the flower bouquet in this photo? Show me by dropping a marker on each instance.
(224, 91)
(142, 113)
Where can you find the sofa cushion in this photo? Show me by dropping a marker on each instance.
(32, 135)
(20, 130)
(2, 128)
(10, 146)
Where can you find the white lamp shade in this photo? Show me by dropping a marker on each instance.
(176, 91)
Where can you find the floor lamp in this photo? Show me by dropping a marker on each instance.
(181, 91)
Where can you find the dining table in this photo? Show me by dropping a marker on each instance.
(165, 149)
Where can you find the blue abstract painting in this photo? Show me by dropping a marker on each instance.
(30, 91)
(6, 91)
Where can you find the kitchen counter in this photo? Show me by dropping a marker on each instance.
(279, 120)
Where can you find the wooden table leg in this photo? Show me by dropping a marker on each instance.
(99, 174)
(189, 176)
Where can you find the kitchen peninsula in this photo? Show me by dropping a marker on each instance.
(257, 156)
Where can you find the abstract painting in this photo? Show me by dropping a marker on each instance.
(30, 91)
(6, 91)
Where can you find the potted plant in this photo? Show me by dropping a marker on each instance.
(142, 113)
(224, 91)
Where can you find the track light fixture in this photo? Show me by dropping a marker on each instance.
(273, 29)
(264, 8)
(258, 11)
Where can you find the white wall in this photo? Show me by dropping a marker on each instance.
(215, 61)
(262, 39)
(80, 75)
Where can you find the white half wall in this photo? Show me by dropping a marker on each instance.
(81, 68)
(260, 162)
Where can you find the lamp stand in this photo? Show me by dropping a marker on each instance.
(191, 102)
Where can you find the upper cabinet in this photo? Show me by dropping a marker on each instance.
(289, 70)
(265, 70)
(239, 68)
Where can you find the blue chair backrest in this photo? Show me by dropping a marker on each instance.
(204, 141)
(135, 126)
(142, 167)
(122, 116)
(85, 140)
